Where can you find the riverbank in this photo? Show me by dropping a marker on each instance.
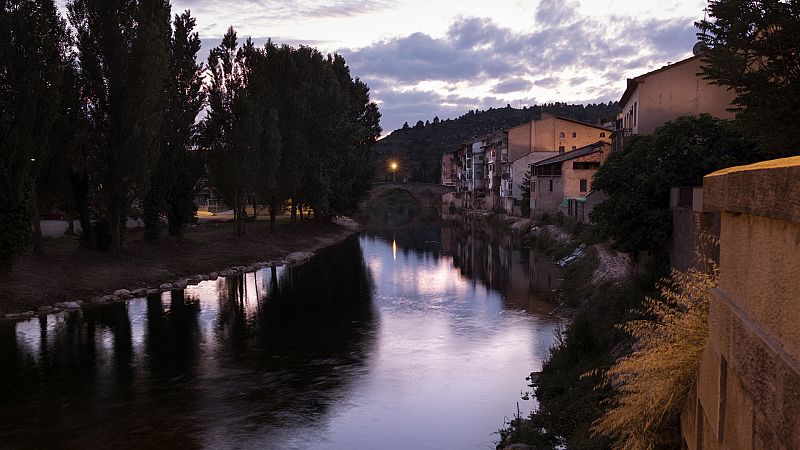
(600, 288)
(67, 273)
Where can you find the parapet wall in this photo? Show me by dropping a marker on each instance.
(748, 387)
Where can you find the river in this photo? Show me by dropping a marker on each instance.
(409, 340)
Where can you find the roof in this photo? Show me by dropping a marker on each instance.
(593, 125)
(634, 82)
(546, 115)
(583, 151)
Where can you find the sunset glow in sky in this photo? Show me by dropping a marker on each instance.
(428, 58)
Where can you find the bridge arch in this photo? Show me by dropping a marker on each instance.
(427, 195)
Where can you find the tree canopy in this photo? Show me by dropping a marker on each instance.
(638, 178)
(34, 51)
(753, 47)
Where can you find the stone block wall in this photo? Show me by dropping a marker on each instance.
(747, 394)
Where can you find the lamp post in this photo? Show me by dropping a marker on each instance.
(393, 167)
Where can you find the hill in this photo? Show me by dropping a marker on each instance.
(419, 149)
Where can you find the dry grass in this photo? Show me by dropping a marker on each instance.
(653, 382)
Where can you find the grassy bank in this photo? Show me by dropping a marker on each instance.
(569, 398)
(66, 272)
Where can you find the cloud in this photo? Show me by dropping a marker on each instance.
(512, 85)
(566, 51)
(548, 82)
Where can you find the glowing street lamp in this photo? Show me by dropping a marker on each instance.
(393, 167)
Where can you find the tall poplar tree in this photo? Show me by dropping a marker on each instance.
(32, 48)
(122, 47)
(173, 181)
(231, 128)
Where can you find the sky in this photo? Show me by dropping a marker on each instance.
(426, 58)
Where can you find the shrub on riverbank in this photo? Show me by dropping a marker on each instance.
(570, 402)
(653, 382)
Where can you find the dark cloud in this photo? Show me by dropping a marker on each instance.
(549, 82)
(512, 85)
(577, 81)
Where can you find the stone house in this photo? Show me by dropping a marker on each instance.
(563, 182)
(545, 138)
(448, 169)
(675, 90)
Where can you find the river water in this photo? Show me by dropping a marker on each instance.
(408, 340)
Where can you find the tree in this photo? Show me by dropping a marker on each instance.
(32, 48)
(525, 187)
(753, 47)
(173, 181)
(122, 46)
(638, 178)
(231, 130)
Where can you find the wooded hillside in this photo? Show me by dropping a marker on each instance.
(419, 148)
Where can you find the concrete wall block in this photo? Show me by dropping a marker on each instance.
(768, 189)
(757, 367)
(763, 436)
(708, 389)
(719, 326)
(734, 259)
(787, 423)
(738, 426)
(760, 274)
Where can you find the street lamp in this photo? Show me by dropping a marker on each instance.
(393, 167)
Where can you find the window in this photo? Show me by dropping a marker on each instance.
(573, 147)
(603, 134)
(560, 149)
(551, 185)
(574, 134)
(583, 185)
(533, 187)
(561, 135)
(585, 165)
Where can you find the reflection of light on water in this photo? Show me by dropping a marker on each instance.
(394, 249)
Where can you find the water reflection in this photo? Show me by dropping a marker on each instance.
(418, 339)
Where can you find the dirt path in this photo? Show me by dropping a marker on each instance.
(66, 272)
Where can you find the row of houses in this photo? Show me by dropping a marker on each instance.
(562, 155)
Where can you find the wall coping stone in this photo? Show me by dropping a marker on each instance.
(769, 189)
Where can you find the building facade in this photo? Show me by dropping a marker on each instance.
(563, 182)
(675, 90)
(542, 139)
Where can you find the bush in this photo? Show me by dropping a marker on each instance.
(652, 383)
(100, 236)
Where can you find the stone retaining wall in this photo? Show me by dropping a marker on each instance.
(747, 394)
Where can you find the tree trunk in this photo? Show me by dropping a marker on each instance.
(37, 231)
(80, 189)
(273, 213)
(255, 217)
(116, 233)
(293, 211)
(70, 223)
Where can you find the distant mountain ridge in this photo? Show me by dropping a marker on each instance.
(419, 149)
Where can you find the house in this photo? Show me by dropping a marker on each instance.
(496, 150)
(448, 169)
(542, 139)
(563, 182)
(675, 90)
(460, 170)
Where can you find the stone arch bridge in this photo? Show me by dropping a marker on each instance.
(427, 195)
